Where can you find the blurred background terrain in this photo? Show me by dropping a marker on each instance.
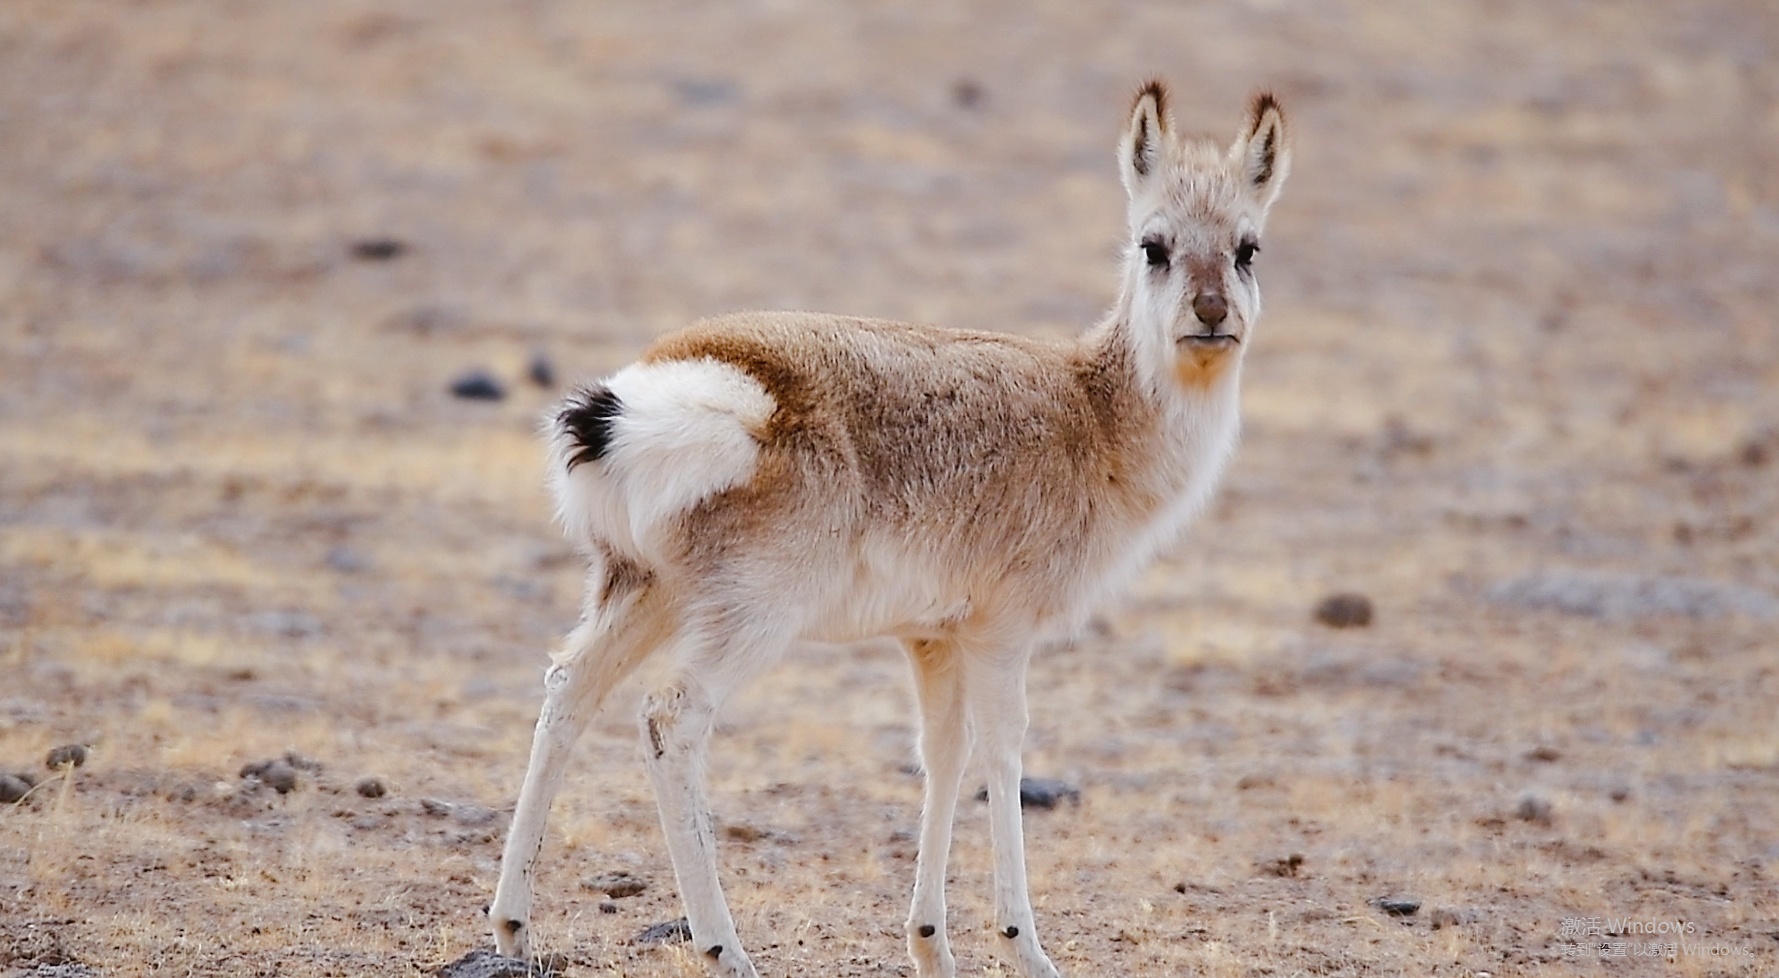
(1517, 389)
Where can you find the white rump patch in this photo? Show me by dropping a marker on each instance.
(684, 433)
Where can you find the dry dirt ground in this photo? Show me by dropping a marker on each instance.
(1516, 384)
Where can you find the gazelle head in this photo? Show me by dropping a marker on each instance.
(1197, 209)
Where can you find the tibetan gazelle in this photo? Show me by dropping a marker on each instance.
(764, 478)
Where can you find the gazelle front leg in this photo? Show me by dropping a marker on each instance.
(995, 692)
(944, 748)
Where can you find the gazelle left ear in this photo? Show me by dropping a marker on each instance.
(1262, 149)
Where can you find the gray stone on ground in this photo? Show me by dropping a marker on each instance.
(67, 755)
(616, 885)
(277, 775)
(67, 969)
(478, 385)
(1397, 906)
(484, 963)
(668, 932)
(1535, 809)
(1615, 597)
(1041, 793)
(13, 789)
(1345, 610)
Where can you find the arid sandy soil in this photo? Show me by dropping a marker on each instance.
(1518, 384)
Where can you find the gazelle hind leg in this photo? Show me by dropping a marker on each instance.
(944, 748)
(607, 646)
(677, 720)
(995, 695)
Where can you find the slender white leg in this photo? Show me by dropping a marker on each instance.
(677, 720)
(944, 747)
(995, 692)
(598, 654)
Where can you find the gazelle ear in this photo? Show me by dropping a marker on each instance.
(1261, 149)
(1140, 152)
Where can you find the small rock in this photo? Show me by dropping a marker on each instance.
(1544, 753)
(478, 385)
(540, 370)
(347, 561)
(462, 813)
(371, 787)
(483, 963)
(1619, 794)
(1398, 906)
(606, 906)
(1288, 866)
(378, 249)
(302, 763)
(1444, 917)
(616, 885)
(706, 92)
(743, 832)
(968, 93)
(279, 776)
(13, 789)
(668, 932)
(1044, 793)
(465, 814)
(1534, 809)
(67, 755)
(1345, 610)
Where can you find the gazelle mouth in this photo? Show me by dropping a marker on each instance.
(1210, 339)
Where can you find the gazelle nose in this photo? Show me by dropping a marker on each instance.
(1210, 308)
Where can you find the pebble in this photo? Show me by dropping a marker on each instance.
(378, 249)
(462, 813)
(1398, 906)
(483, 963)
(302, 763)
(667, 932)
(279, 776)
(371, 787)
(540, 370)
(1344, 610)
(616, 885)
(12, 789)
(1288, 867)
(1043, 793)
(67, 755)
(968, 93)
(1534, 809)
(478, 385)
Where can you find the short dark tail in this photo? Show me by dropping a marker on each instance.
(586, 418)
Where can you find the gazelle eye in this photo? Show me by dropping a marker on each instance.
(1155, 253)
(1245, 252)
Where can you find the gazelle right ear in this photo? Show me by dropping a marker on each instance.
(1139, 153)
